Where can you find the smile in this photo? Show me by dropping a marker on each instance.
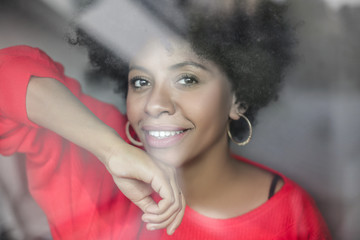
(164, 134)
(164, 138)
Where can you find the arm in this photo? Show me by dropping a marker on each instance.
(51, 105)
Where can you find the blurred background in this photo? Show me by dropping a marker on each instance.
(311, 134)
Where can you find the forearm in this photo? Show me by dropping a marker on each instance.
(51, 105)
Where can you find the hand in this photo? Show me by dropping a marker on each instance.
(138, 176)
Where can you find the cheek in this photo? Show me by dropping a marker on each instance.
(210, 107)
(133, 109)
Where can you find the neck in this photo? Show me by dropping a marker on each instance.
(201, 176)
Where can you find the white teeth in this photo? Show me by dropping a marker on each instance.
(164, 134)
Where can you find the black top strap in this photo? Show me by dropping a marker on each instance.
(273, 185)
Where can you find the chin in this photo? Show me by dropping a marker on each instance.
(172, 158)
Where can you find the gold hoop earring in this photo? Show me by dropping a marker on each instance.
(128, 135)
(250, 132)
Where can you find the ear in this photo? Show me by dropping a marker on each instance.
(236, 108)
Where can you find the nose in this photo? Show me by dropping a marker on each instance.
(160, 102)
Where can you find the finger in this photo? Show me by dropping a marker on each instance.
(145, 203)
(177, 221)
(159, 218)
(172, 223)
(142, 198)
(162, 186)
(179, 204)
(175, 207)
(175, 187)
(165, 224)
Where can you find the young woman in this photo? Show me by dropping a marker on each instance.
(185, 98)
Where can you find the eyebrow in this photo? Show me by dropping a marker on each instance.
(186, 63)
(136, 67)
(172, 67)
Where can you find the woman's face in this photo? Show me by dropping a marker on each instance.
(178, 103)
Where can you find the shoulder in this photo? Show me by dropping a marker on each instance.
(20, 50)
(28, 61)
(290, 201)
(286, 189)
(300, 213)
(259, 175)
(23, 52)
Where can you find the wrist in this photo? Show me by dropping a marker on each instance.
(106, 145)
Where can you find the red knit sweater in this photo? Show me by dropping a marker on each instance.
(78, 195)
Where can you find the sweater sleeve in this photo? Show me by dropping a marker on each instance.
(17, 65)
(73, 188)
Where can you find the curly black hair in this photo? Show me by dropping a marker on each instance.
(252, 48)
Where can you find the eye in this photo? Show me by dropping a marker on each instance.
(187, 80)
(139, 82)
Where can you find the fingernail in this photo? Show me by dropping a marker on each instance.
(151, 228)
(171, 232)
